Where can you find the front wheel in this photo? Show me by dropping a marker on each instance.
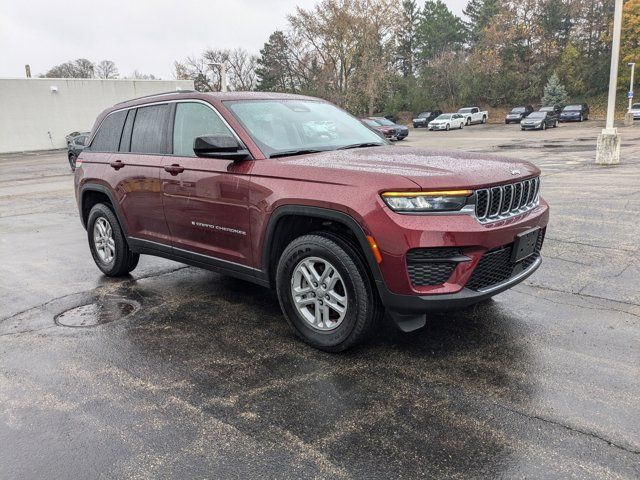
(72, 161)
(555, 124)
(447, 127)
(108, 244)
(544, 126)
(325, 292)
(460, 126)
(484, 119)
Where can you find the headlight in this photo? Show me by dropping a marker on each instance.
(426, 201)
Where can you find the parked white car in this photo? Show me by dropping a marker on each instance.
(447, 121)
(473, 115)
(635, 109)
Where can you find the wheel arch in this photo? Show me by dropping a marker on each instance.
(92, 193)
(276, 235)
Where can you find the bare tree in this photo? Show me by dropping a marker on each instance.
(136, 75)
(80, 68)
(241, 70)
(106, 69)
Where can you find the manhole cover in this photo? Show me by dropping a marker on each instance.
(96, 313)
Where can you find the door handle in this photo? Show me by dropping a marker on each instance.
(174, 169)
(118, 164)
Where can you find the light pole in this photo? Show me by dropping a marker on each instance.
(608, 149)
(633, 69)
(223, 75)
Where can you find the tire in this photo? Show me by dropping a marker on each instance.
(363, 306)
(468, 122)
(555, 124)
(581, 119)
(447, 127)
(122, 260)
(460, 126)
(484, 119)
(544, 126)
(72, 161)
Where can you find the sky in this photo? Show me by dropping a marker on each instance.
(143, 35)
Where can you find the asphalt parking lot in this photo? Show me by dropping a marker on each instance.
(179, 372)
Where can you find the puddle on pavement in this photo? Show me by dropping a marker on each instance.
(100, 312)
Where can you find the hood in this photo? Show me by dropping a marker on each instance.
(424, 167)
(571, 112)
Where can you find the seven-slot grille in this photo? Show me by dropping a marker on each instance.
(504, 201)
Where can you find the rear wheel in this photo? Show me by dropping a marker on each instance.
(107, 243)
(325, 292)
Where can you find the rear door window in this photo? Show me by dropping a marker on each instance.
(149, 130)
(108, 137)
(194, 120)
(125, 141)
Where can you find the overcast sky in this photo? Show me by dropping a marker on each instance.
(147, 35)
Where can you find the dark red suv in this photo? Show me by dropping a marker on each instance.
(293, 193)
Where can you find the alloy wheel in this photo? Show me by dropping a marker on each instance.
(103, 240)
(319, 293)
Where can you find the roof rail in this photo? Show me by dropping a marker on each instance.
(157, 95)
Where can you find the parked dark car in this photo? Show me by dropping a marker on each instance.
(556, 109)
(72, 135)
(75, 146)
(384, 130)
(539, 121)
(423, 119)
(401, 131)
(517, 114)
(575, 113)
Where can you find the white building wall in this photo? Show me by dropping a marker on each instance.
(33, 117)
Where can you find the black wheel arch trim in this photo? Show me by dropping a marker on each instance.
(321, 213)
(95, 187)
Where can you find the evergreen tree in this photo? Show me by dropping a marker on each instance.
(554, 92)
(438, 31)
(406, 36)
(273, 70)
(480, 14)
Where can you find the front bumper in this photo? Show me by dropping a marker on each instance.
(524, 126)
(403, 233)
(438, 127)
(572, 118)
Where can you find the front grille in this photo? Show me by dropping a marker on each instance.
(432, 266)
(505, 201)
(496, 267)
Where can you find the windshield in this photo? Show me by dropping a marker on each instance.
(546, 109)
(465, 110)
(518, 110)
(279, 126)
(444, 116)
(384, 121)
(570, 108)
(537, 115)
(424, 115)
(371, 122)
(636, 106)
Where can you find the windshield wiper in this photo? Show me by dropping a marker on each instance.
(361, 145)
(294, 152)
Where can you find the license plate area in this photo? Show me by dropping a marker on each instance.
(525, 244)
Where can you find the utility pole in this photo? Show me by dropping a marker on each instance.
(608, 149)
(633, 69)
(223, 75)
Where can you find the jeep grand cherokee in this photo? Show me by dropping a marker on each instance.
(293, 193)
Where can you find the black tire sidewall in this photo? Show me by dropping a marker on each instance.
(124, 261)
(358, 305)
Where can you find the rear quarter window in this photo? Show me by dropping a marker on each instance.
(107, 139)
(149, 130)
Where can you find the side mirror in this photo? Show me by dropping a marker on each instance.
(219, 146)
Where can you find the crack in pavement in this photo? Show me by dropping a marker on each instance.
(551, 289)
(570, 428)
(589, 245)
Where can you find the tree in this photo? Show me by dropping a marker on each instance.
(406, 37)
(240, 70)
(106, 69)
(438, 31)
(554, 92)
(136, 75)
(80, 68)
(630, 40)
(480, 14)
(273, 69)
